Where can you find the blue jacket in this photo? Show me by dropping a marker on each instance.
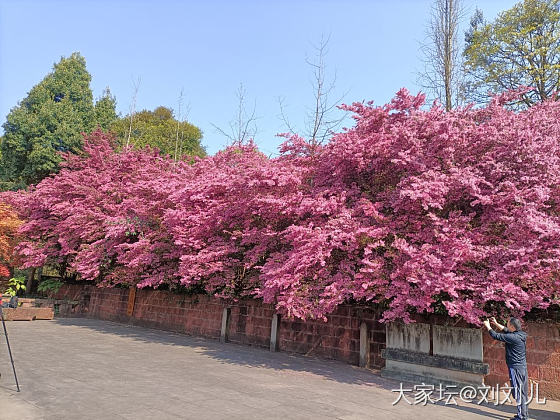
(515, 346)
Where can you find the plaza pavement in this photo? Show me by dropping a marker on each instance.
(91, 369)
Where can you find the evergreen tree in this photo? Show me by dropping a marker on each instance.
(105, 113)
(48, 121)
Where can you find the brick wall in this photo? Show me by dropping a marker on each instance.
(250, 321)
(543, 357)
(339, 338)
(197, 315)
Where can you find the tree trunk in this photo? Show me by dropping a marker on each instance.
(30, 278)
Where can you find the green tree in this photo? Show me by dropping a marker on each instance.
(105, 109)
(520, 48)
(48, 121)
(159, 128)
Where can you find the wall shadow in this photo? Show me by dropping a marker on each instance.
(239, 354)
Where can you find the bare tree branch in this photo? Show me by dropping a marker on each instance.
(185, 118)
(283, 116)
(243, 127)
(442, 76)
(320, 121)
(132, 109)
(180, 103)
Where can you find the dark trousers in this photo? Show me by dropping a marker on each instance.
(520, 384)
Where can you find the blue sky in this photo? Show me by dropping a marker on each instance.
(207, 48)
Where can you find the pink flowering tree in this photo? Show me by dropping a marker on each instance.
(100, 216)
(435, 208)
(227, 218)
(417, 210)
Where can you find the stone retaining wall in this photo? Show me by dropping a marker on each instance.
(435, 354)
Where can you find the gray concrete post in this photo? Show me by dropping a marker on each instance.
(274, 328)
(226, 314)
(364, 345)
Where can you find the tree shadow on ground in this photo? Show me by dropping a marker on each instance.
(253, 356)
(239, 354)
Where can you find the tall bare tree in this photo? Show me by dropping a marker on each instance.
(321, 119)
(132, 108)
(184, 118)
(243, 126)
(442, 76)
(180, 103)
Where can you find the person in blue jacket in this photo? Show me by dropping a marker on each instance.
(516, 359)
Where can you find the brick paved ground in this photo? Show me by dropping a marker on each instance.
(91, 369)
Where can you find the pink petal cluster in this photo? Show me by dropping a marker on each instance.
(415, 209)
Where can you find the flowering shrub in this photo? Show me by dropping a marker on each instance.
(417, 209)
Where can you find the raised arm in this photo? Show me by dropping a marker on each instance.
(506, 338)
(499, 327)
